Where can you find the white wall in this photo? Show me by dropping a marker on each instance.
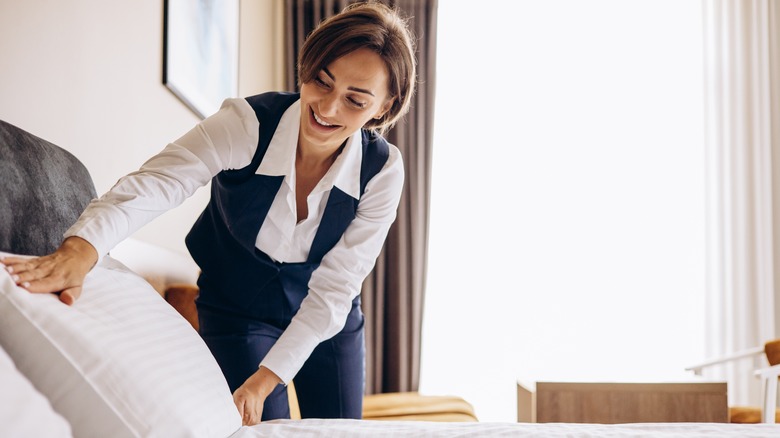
(86, 75)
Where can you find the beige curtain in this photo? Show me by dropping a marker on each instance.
(393, 293)
(742, 143)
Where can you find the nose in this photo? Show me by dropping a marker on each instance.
(328, 105)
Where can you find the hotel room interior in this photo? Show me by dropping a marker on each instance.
(585, 244)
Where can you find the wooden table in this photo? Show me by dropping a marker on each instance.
(612, 402)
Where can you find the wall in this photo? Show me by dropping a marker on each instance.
(86, 76)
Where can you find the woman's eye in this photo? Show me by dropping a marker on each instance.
(320, 82)
(356, 103)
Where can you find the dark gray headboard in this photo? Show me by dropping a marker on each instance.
(43, 190)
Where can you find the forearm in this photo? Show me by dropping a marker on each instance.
(225, 140)
(263, 381)
(134, 201)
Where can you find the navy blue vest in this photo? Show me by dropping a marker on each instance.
(235, 275)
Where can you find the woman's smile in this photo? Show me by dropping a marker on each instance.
(322, 123)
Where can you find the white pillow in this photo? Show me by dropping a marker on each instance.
(23, 410)
(120, 362)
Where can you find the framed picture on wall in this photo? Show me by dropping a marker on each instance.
(200, 52)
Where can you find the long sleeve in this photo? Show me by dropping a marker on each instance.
(338, 279)
(226, 140)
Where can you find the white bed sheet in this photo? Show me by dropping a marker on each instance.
(315, 428)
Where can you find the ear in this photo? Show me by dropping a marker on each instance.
(385, 108)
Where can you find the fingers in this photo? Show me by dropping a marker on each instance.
(70, 295)
(28, 271)
(15, 265)
(10, 260)
(62, 271)
(249, 407)
(44, 285)
(35, 275)
(239, 404)
(46, 280)
(47, 274)
(254, 417)
(248, 418)
(18, 269)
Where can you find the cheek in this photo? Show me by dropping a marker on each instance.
(308, 92)
(360, 119)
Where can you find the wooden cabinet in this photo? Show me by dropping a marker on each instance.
(608, 402)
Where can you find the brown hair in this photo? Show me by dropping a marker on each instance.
(374, 26)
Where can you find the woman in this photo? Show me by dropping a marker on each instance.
(304, 190)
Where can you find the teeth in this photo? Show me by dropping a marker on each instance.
(319, 120)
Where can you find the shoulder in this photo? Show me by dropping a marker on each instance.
(388, 168)
(271, 103)
(378, 149)
(395, 162)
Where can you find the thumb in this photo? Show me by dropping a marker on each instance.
(239, 402)
(70, 295)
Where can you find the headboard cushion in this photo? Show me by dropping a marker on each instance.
(44, 190)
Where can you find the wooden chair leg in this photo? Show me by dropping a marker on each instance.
(770, 399)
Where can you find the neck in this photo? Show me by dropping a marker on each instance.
(311, 156)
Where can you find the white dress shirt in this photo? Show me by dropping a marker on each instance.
(228, 140)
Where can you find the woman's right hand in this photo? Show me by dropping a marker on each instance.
(61, 272)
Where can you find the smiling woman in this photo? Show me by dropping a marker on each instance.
(300, 218)
(572, 179)
(342, 98)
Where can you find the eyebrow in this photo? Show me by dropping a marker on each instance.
(359, 90)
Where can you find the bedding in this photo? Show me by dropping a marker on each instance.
(25, 412)
(315, 428)
(118, 363)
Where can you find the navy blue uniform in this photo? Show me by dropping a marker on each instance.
(247, 299)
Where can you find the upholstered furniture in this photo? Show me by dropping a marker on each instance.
(45, 189)
(413, 406)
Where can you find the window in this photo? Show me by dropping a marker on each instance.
(567, 216)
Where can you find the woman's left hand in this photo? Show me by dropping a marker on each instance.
(250, 397)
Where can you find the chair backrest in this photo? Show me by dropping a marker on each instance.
(772, 351)
(44, 190)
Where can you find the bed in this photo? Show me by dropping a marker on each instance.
(122, 362)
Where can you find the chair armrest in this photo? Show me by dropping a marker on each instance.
(751, 352)
(768, 372)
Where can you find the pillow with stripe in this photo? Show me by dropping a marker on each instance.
(23, 410)
(120, 362)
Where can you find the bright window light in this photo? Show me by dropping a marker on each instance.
(567, 216)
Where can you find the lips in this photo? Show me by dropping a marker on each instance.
(319, 123)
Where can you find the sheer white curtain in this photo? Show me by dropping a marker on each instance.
(567, 206)
(741, 117)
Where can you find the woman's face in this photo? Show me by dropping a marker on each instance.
(343, 96)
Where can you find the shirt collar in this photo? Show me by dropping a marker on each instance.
(345, 172)
(279, 158)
